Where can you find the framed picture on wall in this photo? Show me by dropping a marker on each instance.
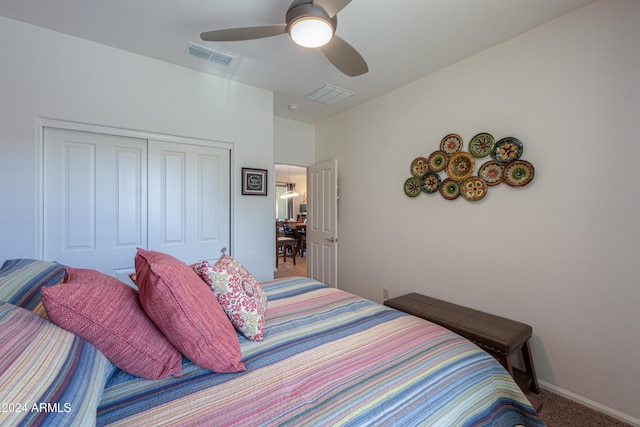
(254, 182)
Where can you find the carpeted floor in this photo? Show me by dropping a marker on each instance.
(556, 410)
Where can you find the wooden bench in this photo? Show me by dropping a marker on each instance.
(498, 336)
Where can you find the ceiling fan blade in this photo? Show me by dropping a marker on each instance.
(248, 33)
(332, 7)
(344, 57)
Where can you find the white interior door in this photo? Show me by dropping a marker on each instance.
(94, 199)
(322, 222)
(189, 200)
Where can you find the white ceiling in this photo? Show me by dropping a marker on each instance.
(401, 40)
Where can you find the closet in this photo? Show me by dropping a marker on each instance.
(104, 195)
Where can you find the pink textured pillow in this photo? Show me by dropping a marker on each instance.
(187, 312)
(108, 314)
(238, 292)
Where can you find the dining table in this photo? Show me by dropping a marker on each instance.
(302, 226)
(299, 230)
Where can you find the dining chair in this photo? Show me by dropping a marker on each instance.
(301, 240)
(284, 243)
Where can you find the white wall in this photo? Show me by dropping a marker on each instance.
(52, 75)
(560, 254)
(294, 142)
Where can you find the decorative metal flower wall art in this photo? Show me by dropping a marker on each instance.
(451, 171)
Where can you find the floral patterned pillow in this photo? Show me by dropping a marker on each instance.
(239, 293)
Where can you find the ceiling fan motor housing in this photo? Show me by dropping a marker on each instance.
(304, 9)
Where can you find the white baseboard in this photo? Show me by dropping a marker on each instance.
(590, 403)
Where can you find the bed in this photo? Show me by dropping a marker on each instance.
(327, 358)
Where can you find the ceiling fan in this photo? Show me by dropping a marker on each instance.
(310, 24)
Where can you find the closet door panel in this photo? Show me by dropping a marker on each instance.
(189, 200)
(173, 207)
(94, 199)
(131, 208)
(211, 219)
(78, 227)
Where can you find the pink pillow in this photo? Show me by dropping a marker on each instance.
(187, 312)
(108, 314)
(238, 292)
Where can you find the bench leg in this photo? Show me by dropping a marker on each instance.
(504, 361)
(528, 364)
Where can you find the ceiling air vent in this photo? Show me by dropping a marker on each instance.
(329, 95)
(209, 54)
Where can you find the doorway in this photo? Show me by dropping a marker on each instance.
(291, 213)
(320, 196)
(291, 178)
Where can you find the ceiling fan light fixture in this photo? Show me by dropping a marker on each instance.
(311, 31)
(309, 23)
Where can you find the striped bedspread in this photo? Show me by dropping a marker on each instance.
(331, 358)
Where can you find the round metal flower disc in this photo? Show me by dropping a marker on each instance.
(507, 150)
(419, 167)
(450, 189)
(413, 186)
(451, 143)
(431, 182)
(481, 145)
(461, 166)
(437, 161)
(518, 173)
(473, 189)
(492, 173)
